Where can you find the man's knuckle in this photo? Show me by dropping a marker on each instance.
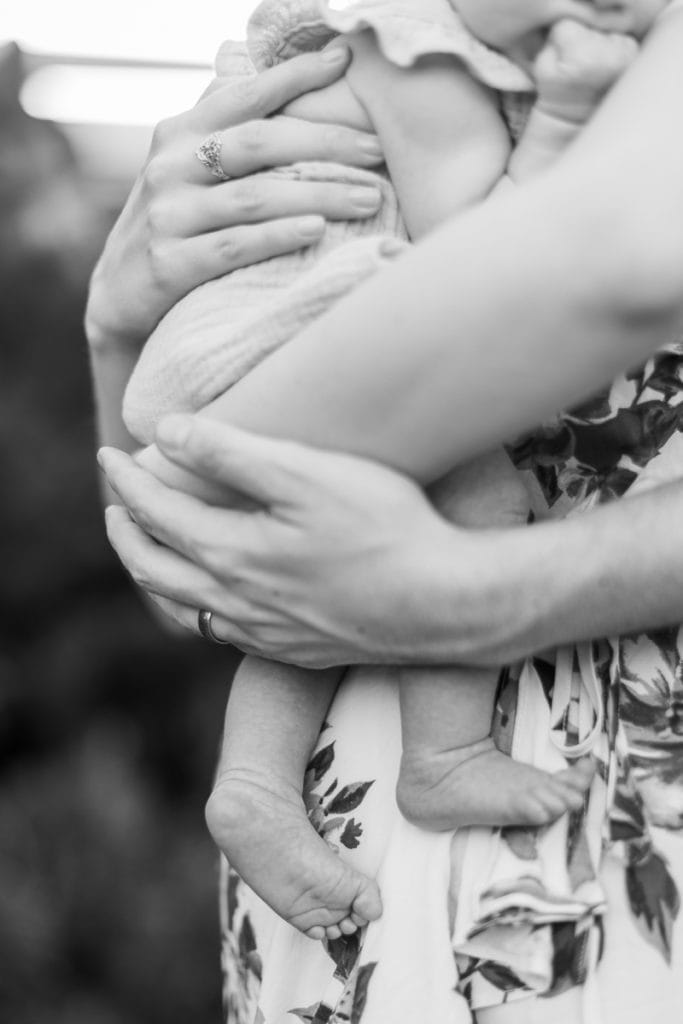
(212, 462)
(205, 551)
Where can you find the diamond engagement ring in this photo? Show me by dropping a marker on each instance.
(206, 629)
(209, 156)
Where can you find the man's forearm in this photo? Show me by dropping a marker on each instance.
(609, 572)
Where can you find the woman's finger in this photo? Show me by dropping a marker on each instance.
(256, 145)
(182, 264)
(221, 252)
(259, 96)
(270, 472)
(263, 198)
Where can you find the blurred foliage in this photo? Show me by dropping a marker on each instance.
(108, 726)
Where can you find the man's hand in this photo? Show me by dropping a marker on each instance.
(341, 561)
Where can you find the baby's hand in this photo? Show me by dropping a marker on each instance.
(577, 67)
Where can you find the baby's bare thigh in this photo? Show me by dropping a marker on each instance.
(485, 493)
(336, 104)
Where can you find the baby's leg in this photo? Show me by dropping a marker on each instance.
(574, 71)
(257, 812)
(451, 772)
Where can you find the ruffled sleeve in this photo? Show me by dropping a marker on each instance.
(407, 30)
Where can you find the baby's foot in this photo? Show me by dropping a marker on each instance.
(577, 67)
(477, 785)
(261, 825)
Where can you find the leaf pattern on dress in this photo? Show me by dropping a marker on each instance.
(579, 860)
(306, 1015)
(589, 456)
(653, 896)
(328, 805)
(350, 837)
(321, 762)
(348, 798)
(361, 993)
(344, 951)
(501, 977)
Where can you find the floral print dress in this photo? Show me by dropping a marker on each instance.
(605, 923)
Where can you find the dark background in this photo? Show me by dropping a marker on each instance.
(108, 725)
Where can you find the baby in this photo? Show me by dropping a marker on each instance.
(428, 79)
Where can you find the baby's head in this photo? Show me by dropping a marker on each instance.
(514, 25)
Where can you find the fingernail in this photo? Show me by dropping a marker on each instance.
(310, 228)
(365, 198)
(173, 431)
(370, 145)
(335, 55)
(104, 455)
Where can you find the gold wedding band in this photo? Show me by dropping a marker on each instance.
(206, 629)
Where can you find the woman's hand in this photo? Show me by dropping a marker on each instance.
(342, 562)
(181, 226)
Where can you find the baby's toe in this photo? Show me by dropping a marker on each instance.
(347, 926)
(317, 932)
(555, 800)
(332, 932)
(367, 904)
(573, 799)
(539, 808)
(579, 775)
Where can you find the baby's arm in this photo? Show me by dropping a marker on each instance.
(574, 71)
(443, 136)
